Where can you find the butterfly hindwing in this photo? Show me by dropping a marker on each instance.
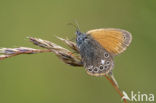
(96, 59)
(115, 41)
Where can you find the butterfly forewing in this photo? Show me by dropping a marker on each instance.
(115, 41)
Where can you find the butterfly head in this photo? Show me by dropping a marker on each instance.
(80, 38)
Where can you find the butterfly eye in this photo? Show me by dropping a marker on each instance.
(79, 39)
(106, 55)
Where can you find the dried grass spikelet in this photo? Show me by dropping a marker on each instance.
(64, 54)
(10, 52)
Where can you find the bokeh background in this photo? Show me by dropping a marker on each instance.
(43, 78)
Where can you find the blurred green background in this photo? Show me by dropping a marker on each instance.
(42, 78)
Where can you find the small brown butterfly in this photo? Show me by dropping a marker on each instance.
(98, 48)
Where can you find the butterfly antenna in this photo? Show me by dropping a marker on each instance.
(75, 25)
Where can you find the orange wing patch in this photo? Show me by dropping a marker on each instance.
(114, 41)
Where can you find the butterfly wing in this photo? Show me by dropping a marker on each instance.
(96, 60)
(115, 41)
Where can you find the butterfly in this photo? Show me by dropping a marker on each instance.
(98, 47)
